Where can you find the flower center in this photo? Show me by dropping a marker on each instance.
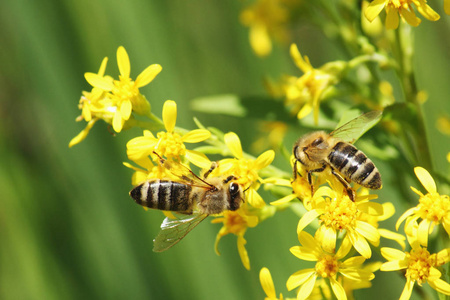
(234, 222)
(420, 262)
(327, 266)
(434, 207)
(170, 145)
(245, 171)
(340, 213)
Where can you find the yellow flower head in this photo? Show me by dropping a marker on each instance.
(303, 94)
(402, 8)
(236, 222)
(266, 19)
(433, 209)
(244, 169)
(169, 143)
(420, 267)
(328, 266)
(336, 213)
(124, 93)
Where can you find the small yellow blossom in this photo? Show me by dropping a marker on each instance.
(443, 124)
(404, 8)
(244, 169)
(420, 267)
(303, 94)
(267, 19)
(170, 143)
(124, 93)
(433, 209)
(337, 213)
(328, 266)
(236, 222)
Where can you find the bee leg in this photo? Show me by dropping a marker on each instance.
(213, 166)
(310, 177)
(346, 184)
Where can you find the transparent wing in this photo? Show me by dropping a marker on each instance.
(354, 129)
(173, 230)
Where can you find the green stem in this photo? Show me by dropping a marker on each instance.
(404, 40)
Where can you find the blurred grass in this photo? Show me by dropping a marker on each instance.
(68, 228)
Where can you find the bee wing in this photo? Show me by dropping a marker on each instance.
(354, 129)
(173, 230)
(185, 174)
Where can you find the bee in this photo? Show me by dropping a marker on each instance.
(318, 150)
(192, 197)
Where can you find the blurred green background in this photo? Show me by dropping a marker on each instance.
(68, 228)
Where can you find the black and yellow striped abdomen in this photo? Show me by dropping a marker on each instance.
(354, 165)
(163, 195)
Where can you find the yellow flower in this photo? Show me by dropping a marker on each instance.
(124, 93)
(244, 169)
(433, 209)
(420, 267)
(328, 266)
(170, 143)
(404, 8)
(303, 94)
(267, 285)
(266, 19)
(336, 213)
(236, 222)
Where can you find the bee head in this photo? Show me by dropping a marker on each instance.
(309, 149)
(235, 192)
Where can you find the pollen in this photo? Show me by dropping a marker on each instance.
(327, 266)
(170, 144)
(234, 222)
(434, 207)
(420, 263)
(340, 214)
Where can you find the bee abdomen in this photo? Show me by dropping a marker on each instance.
(163, 195)
(355, 165)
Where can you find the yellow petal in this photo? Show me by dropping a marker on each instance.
(255, 199)
(306, 288)
(392, 18)
(123, 62)
(267, 283)
(344, 249)
(374, 9)
(284, 200)
(404, 216)
(125, 109)
(304, 111)
(387, 234)
(441, 286)
(410, 17)
(447, 6)
(260, 40)
(394, 265)
(243, 252)
(392, 254)
(368, 231)
(264, 159)
(117, 121)
(422, 232)
(298, 59)
(407, 290)
(299, 278)
(360, 244)
(234, 144)
(426, 179)
(328, 237)
(338, 290)
(99, 81)
(196, 136)
(199, 159)
(83, 134)
(427, 12)
(443, 257)
(169, 115)
(102, 69)
(147, 75)
(306, 219)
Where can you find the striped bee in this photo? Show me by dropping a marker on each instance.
(318, 150)
(192, 197)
